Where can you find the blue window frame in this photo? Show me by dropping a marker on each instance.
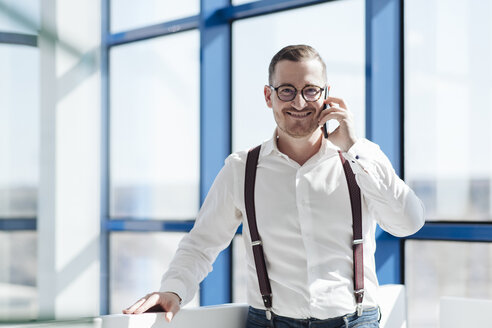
(19, 38)
(384, 125)
(384, 110)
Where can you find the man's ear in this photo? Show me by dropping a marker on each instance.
(267, 91)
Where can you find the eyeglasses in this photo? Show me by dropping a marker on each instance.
(288, 92)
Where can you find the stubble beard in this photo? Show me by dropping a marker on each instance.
(298, 129)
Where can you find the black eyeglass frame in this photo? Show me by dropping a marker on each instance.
(321, 89)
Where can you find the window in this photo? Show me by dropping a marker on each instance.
(437, 268)
(448, 142)
(154, 157)
(240, 2)
(18, 268)
(128, 14)
(19, 120)
(155, 128)
(448, 120)
(137, 263)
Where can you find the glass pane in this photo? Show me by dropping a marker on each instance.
(129, 14)
(239, 277)
(240, 2)
(137, 263)
(155, 128)
(434, 269)
(20, 16)
(338, 24)
(19, 130)
(448, 107)
(18, 269)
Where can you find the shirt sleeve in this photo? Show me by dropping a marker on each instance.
(215, 226)
(394, 204)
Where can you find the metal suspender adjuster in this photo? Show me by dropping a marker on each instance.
(358, 241)
(256, 243)
(359, 295)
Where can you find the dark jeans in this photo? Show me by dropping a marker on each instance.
(369, 319)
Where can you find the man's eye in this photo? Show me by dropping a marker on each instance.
(311, 91)
(286, 91)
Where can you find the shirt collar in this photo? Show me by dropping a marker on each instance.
(270, 145)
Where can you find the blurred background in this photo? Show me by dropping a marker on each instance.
(116, 115)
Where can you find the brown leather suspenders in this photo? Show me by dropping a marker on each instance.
(261, 271)
(249, 198)
(357, 240)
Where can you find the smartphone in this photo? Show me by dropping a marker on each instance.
(325, 106)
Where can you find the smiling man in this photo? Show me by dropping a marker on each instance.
(296, 116)
(309, 208)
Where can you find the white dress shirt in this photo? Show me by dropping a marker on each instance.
(305, 223)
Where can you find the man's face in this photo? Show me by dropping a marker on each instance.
(297, 118)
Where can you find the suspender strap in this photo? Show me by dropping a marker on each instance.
(355, 203)
(249, 194)
(358, 259)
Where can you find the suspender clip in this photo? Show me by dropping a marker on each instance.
(359, 309)
(359, 296)
(268, 314)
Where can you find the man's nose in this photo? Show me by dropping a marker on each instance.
(298, 102)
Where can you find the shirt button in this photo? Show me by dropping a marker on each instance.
(356, 156)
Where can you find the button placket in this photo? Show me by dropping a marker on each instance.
(305, 219)
(301, 203)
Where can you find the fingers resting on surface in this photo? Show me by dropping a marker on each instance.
(167, 301)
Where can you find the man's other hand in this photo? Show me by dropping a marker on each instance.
(169, 302)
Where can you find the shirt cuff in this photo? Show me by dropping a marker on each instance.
(175, 286)
(360, 156)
